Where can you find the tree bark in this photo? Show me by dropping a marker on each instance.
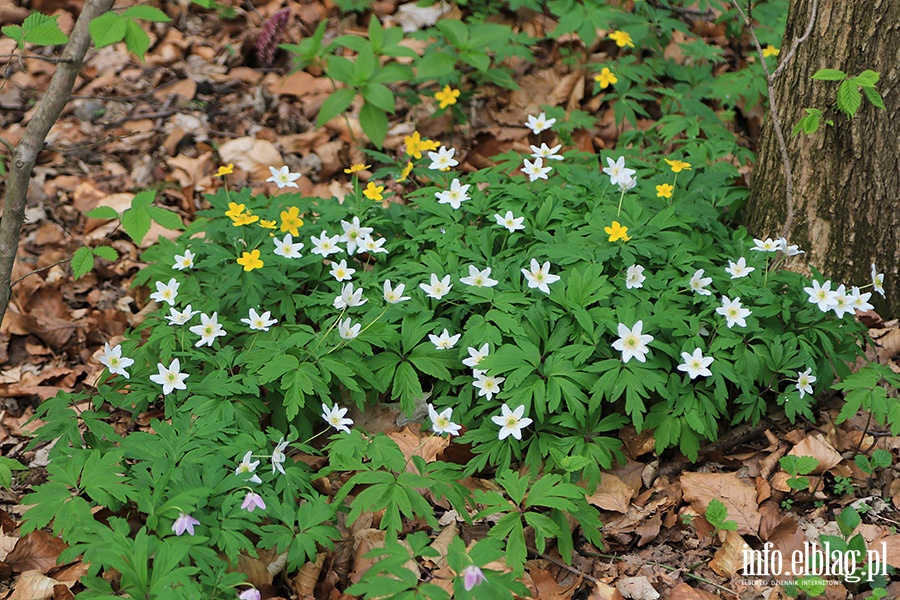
(846, 177)
(23, 159)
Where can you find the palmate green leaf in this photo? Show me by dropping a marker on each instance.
(107, 29)
(82, 262)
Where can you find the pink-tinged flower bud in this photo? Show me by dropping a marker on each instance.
(271, 35)
(472, 576)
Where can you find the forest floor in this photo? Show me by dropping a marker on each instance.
(201, 100)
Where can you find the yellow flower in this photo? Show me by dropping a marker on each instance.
(770, 50)
(606, 78)
(678, 165)
(664, 191)
(415, 146)
(234, 210)
(622, 39)
(357, 167)
(225, 170)
(244, 219)
(405, 172)
(290, 220)
(447, 96)
(617, 232)
(267, 224)
(250, 260)
(373, 192)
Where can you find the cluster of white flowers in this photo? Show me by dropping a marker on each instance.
(840, 300)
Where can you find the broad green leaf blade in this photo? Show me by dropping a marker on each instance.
(15, 32)
(146, 13)
(336, 103)
(82, 262)
(102, 212)
(136, 223)
(46, 34)
(829, 75)
(374, 122)
(848, 98)
(380, 96)
(165, 217)
(106, 252)
(108, 29)
(136, 39)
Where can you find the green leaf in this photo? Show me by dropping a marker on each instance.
(848, 98)
(869, 77)
(848, 521)
(380, 96)
(109, 28)
(374, 123)
(437, 65)
(102, 212)
(136, 39)
(365, 65)
(136, 223)
(15, 32)
(146, 13)
(165, 217)
(341, 69)
(829, 75)
(82, 262)
(43, 30)
(873, 97)
(106, 252)
(336, 103)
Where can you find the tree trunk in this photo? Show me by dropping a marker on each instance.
(846, 177)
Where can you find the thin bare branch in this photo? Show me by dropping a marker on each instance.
(30, 273)
(776, 124)
(49, 59)
(25, 155)
(797, 41)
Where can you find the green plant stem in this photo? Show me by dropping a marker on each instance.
(322, 337)
(621, 196)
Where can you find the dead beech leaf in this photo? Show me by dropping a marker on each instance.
(257, 569)
(683, 591)
(304, 582)
(816, 446)
(602, 591)
(413, 443)
(738, 497)
(637, 588)
(730, 557)
(32, 585)
(37, 551)
(612, 494)
(547, 586)
(253, 155)
(442, 543)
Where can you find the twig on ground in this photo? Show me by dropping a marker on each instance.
(30, 273)
(683, 570)
(563, 565)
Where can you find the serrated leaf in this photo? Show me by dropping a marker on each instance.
(136, 223)
(102, 212)
(136, 39)
(146, 13)
(829, 75)
(165, 217)
(874, 97)
(15, 32)
(716, 511)
(107, 29)
(848, 98)
(82, 262)
(46, 34)
(143, 199)
(869, 76)
(106, 252)
(336, 103)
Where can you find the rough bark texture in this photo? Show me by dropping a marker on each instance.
(846, 177)
(23, 159)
